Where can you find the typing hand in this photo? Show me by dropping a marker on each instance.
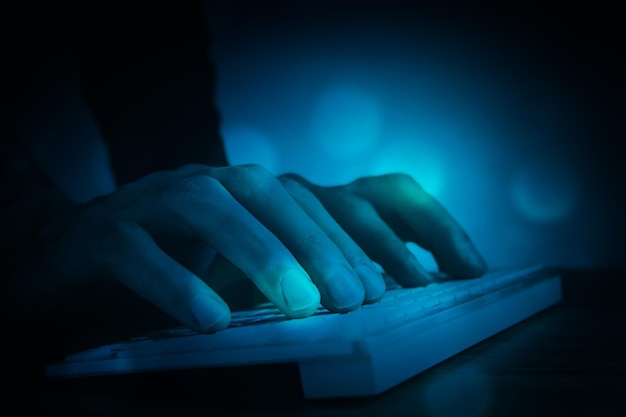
(372, 218)
(158, 235)
(382, 213)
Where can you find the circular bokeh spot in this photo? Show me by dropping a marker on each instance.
(545, 189)
(345, 121)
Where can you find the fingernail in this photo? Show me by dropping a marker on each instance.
(209, 313)
(298, 291)
(372, 281)
(345, 291)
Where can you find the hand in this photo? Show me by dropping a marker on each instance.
(158, 235)
(382, 213)
(375, 217)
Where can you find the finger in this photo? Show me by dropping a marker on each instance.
(361, 221)
(418, 217)
(126, 252)
(264, 196)
(372, 280)
(232, 284)
(201, 207)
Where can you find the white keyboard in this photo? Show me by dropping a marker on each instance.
(360, 353)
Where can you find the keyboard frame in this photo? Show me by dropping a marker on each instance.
(387, 363)
(362, 367)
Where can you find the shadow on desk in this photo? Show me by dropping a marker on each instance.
(568, 360)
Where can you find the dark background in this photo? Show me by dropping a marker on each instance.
(510, 114)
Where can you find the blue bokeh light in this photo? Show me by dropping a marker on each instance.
(487, 125)
(346, 121)
(545, 189)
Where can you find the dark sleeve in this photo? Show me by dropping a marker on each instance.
(28, 200)
(146, 75)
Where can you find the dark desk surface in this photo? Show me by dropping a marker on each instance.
(569, 360)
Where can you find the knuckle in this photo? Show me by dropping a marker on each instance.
(292, 185)
(402, 181)
(187, 194)
(252, 179)
(253, 170)
(397, 183)
(192, 186)
(361, 184)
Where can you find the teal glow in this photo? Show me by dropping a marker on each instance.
(458, 114)
(545, 190)
(345, 121)
(420, 161)
(246, 145)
